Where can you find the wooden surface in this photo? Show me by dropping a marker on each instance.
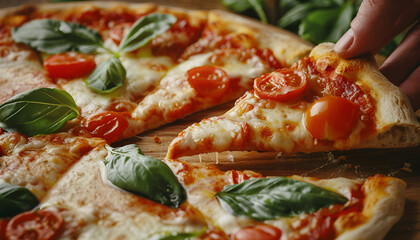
(401, 163)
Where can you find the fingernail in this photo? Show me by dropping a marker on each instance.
(345, 42)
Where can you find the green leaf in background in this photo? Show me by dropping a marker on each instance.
(54, 36)
(272, 198)
(180, 236)
(242, 6)
(107, 76)
(15, 199)
(145, 29)
(326, 25)
(39, 111)
(129, 169)
(392, 45)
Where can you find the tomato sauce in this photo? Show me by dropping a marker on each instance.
(321, 222)
(242, 43)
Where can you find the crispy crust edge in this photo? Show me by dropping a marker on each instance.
(383, 205)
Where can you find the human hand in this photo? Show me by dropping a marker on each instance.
(376, 23)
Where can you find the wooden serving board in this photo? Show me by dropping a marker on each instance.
(401, 163)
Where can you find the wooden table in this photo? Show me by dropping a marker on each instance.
(401, 163)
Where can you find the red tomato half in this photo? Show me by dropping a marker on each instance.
(331, 118)
(39, 225)
(69, 65)
(208, 81)
(262, 232)
(108, 125)
(282, 85)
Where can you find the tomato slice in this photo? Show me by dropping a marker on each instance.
(42, 225)
(281, 85)
(69, 65)
(3, 224)
(331, 118)
(108, 125)
(261, 231)
(208, 81)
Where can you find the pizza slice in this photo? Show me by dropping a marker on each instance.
(126, 81)
(218, 68)
(38, 162)
(321, 103)
(107, 194)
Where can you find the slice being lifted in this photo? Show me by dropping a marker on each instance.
(321, 103)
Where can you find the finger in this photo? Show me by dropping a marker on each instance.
(376, 23)
(411, 87)
(404, 59)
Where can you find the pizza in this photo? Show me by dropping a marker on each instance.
(321, 103)
(146, 79)
(78, 77)
(82, 188)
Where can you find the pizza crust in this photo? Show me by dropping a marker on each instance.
(383, 207)
(396, 122)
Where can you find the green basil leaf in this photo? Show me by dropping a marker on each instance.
(272, 198)
(291, 19)
(322, 25)
(15, 199)
(145, 29)
(107, 76)
(54, 36)
(39, 111)
(180, 236)
(241, 6)
(129, 169)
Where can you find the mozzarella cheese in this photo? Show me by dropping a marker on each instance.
(110, 213)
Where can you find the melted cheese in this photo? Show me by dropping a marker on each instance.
(174, 91)
(47, 157)
(111, 213)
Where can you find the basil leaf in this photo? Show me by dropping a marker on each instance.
(145, 29)
(39, 111)
(54, 36)
(15, 199)
(107, 76)
(129, 169)
(326, 25)
(241, 6)
(272, 198)
(292, 18)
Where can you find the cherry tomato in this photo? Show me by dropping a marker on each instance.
(42, 225)
(331, 118)
(117, 32)
(281, 85)
(260, 232)
(69, 65)
(108, 125)
(208, 81)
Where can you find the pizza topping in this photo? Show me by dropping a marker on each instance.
(144, 30)
(281, 85)
(69, 65)
(208, 81)
(260, 231)
(54, 36)
(43, 225)
(39, 111)
(15, 199)
(272, 198)
(108, 76)
(129, 169)
(331, 118)
(181, 236)
(108, 125)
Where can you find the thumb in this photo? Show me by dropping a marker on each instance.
(376, 23)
